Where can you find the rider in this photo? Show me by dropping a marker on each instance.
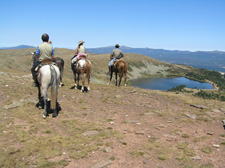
(80, 50)
(43, 51)
(116, 54)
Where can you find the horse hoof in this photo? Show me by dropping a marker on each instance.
(54, 115)
(44, 117)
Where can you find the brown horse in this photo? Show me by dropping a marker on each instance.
(120, 67)
(82, 66)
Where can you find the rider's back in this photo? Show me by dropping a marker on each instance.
(45, 51)
(81, 49)
(117, 53)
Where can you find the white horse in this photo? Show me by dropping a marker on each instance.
(49, 76)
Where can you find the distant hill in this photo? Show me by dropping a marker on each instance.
(213, 60)
(18, 47)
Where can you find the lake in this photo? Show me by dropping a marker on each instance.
(168, 83)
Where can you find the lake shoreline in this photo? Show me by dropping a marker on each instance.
(166, 83)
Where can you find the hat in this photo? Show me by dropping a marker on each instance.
(81, 42)
(117, 45)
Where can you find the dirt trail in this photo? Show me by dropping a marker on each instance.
(109, 126)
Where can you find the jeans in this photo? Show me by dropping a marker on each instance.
(111, 61)
(33, 69)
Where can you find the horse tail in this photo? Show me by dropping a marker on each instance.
(54, 87)
(88, 71)
(62, 67)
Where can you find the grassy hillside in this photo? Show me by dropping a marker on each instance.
(109, 126)
(139, 65)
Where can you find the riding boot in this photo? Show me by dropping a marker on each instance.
(35, 84)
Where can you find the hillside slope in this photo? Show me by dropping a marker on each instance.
(106, 127)
(139, 65)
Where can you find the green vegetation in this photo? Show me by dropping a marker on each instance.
(206, 149)
(203, 75)
(177, 89)
(211, 95)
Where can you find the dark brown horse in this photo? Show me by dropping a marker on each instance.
(120, 67)
(83, 66)
(60, 63)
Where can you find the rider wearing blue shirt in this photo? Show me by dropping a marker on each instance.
(43, 51)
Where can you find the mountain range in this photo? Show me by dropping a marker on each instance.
(213, 60)
(18, 47)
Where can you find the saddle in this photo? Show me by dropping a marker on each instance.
(44, 62)
(114, 62)
(81, 57)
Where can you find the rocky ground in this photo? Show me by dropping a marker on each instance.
(114, 127)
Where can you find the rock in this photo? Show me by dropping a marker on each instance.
(190, 116)
(209, 133)
(134, 91)
(138, 123)
(108, 149)
(222, 109)
(102, 164)
(216, 111)
(111, 122)
(13, 105)
(146, 161)
(199, 106)
(89, 133)
(216, 146)
(139, 132)
(196, 158)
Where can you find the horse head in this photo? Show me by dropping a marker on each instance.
(34, 57)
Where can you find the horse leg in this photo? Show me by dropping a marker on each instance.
(75, 80)
(125, 79)
(83, 81)
(39, 97)
(45, 113)
(120, 76)
(116, 78)
(78, 80)
(61, 72)
(88, 89)
(110, 78)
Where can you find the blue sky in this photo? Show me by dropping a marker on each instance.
(161, 24)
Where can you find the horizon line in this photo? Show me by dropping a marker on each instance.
(3, 47)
